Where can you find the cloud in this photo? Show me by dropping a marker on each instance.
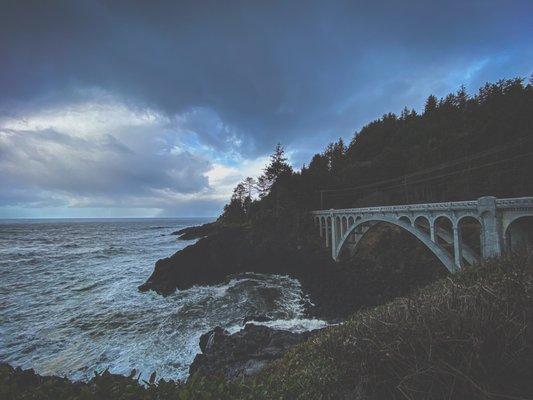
(94, 155)
(224, 178)
(118, 102)
(104, 154)
(267, 72)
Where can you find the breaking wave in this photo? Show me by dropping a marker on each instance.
(69, 303)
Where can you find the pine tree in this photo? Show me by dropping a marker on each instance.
(278, 167)
(250, 185)
(262, 186)
(461, 97)
(338, 152)
(239, 193)
(431, 105)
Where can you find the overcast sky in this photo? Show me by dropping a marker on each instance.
(158, 108)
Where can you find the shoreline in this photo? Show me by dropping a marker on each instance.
(334, 290)
(375, 274)
(329, 298)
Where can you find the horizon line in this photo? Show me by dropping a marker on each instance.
(51, 218)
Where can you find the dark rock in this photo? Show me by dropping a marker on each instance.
(336, 290)
(212, 338)
(232, 250)
(243, 353)
(144, 287)
(206, 262)
(196, 232)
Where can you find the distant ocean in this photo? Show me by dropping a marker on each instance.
(69, 302)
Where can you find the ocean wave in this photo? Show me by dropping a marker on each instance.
(86, 288)
(296, 325)
(71, 245)
(77, 309)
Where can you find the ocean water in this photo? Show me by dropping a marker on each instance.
(69, 303)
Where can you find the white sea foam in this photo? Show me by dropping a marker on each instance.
(294, 325)
(70, 303)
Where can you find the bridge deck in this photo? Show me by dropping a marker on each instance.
(495, 217)
(452, 205)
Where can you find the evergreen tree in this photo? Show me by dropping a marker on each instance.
(337, 156)
(250, 185)
(239, 192)
(262, 186)
(461, 97)
(431, 105)
(277, 168)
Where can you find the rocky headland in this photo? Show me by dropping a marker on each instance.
(379, 273)
(387, 265)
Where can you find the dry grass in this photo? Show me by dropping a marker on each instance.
(465, 337)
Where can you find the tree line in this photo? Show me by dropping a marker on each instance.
(459, 147)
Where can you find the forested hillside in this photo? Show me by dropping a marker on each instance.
(460, 147)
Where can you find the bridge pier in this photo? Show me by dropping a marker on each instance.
(333, 237)
(432, 230)
(457, 246)
(328, 233)
(491, 239)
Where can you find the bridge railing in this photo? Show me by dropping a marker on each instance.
(444, 206)
(403, 208)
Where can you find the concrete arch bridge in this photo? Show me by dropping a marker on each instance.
(502, 224)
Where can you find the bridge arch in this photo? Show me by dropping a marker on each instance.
(328, 226)
(338, 225)
(470, 233)
(423, 223)
(471, 216)
(443, 217)
(518, 234)
(443, 226)
(501, 223)
(406, 219)
(323, 226)
(344, 225)
(404, 223)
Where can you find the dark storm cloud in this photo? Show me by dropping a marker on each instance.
(122, 103)
(270, 70)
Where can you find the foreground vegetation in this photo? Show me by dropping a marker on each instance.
(467, 336)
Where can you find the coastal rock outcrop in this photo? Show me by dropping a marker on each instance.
(232, 250)
(196, 232)
(388, 264)
(243, 353)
